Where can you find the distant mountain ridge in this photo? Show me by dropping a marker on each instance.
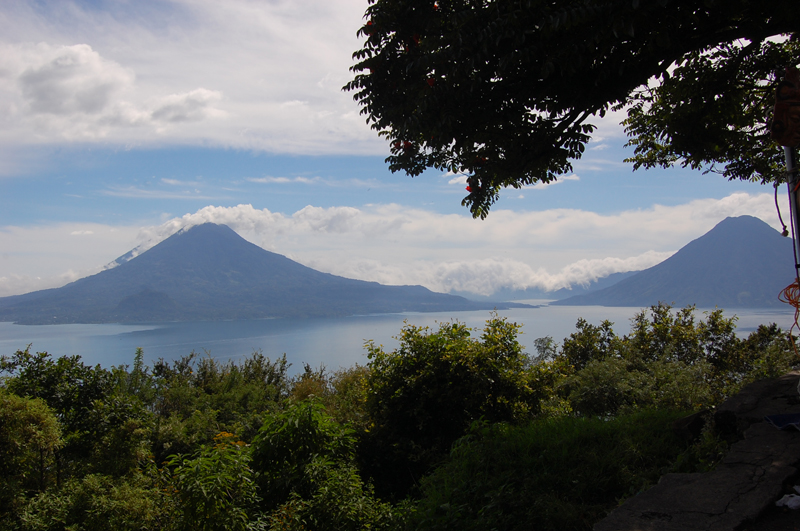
(741, 263)
(208, 272)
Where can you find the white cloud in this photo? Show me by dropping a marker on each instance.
(487, 276)
(70, 93)
(188, 107)
(140, 193)
(284, 180)
(178, 182)
(241, 74)
(71, 80)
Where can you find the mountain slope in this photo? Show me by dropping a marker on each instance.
(209, 272)
(740, 263)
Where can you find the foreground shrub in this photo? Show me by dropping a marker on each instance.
(668, 360)
(339, 502)
(606, 388)
(198, 397)
(288, 443)
(307, 477)
(70, 388)
(97, 503)
(214, 488)
(555, 474)
(29, 437)
(424, 395)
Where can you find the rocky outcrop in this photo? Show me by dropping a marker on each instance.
(748, 481)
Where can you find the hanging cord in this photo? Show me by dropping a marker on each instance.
(785, 231)
(791, 293)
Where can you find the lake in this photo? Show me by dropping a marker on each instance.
(334, 342)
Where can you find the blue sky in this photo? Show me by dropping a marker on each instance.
(124, 121)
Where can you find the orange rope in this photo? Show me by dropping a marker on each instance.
(791, 295)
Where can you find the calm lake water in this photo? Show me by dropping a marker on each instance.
(334, 342)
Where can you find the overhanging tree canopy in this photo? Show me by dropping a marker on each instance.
(504, 90)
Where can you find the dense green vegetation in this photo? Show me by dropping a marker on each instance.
(452, 430)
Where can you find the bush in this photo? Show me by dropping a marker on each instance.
(307, 477)
(214, 488)
(669, 360)
(286, 445)
(339, 502)
(588, 343)
(425, 395)
(554, 474)
(606, 388)
(197, 398)
(97, 503)
(70, 389)
(29, 437)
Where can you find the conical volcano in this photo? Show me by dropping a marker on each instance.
(208, 272)
(740, 263)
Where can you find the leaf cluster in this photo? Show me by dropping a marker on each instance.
(504, 91)
(712, 112)
(426, 394)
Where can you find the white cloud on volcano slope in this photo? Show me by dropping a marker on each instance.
(396, 245)
(240, 73)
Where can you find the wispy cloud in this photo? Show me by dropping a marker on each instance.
(141, 193)
(284, 180)
(177, 182)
